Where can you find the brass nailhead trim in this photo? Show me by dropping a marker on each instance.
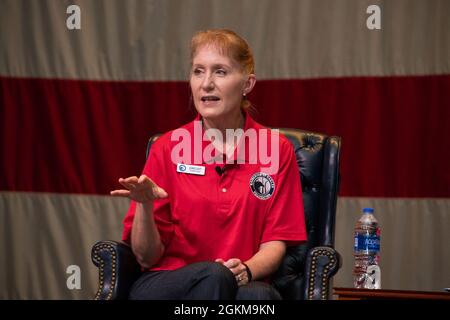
(102, 266)
(328, 266)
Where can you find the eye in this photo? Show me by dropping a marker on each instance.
(221, 72)
(197, 71)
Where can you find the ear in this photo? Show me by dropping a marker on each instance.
(249, 83)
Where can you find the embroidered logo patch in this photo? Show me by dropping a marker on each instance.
(262, 185)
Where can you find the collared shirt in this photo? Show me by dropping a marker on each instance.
(230, 210)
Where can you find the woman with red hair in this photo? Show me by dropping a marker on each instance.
(203, 230)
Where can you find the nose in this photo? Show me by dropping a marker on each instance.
(208, 82)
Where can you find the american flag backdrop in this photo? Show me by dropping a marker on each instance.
(77, 107)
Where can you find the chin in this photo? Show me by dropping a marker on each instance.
(210, 113)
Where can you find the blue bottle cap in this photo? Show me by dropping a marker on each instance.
(367, 210)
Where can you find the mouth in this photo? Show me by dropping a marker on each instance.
(209, 99)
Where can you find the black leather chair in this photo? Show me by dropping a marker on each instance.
(306, 270)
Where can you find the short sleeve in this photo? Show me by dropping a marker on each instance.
(285, 219)
(156, 170)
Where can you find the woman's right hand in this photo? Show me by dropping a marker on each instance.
(141, 189)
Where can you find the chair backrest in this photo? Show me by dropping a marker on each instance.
(318, 162)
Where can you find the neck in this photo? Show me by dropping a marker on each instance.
(234, 121)
(224, 146)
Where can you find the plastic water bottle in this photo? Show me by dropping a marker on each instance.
(366, 271)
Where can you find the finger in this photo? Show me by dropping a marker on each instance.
(220, 261)
(128, 183)
(132, 179)
(160, 193)
(238, 270)
(149, 195)
(241, 279)
(145, 180)
(129, 179)
(232, 263)
(120, 193)
(157, 191)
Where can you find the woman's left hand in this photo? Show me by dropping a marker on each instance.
(239, 270)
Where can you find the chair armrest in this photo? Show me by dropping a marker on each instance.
(118, 269)
(322, 263)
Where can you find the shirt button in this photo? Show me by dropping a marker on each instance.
(224, 189)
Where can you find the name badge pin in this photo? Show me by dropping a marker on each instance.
(190, 169)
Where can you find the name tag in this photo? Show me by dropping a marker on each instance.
(190, 169)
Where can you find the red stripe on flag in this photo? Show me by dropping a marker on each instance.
(81, 136)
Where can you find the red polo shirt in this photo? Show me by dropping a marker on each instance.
(223, 216)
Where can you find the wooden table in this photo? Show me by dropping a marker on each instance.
(380, 294)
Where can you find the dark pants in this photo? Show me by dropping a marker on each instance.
(199, 281)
